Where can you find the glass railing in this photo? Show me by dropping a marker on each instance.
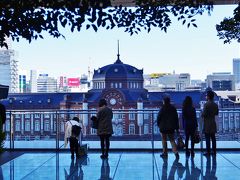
(133, 129)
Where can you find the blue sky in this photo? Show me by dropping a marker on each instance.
(197, 51)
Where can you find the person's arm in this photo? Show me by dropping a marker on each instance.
(217, 111)
(176, 119)
(195, 117)
(204, 111)
(159, 117)
(183, 117)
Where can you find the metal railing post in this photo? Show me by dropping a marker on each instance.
(11, 131)
(57, 130)
(153, 132)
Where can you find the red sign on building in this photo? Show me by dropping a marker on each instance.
(73, 82)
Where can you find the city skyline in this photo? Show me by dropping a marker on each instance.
(177, 50)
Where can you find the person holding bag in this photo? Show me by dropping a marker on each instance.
(73, 134)
(189, 121)
(104, 126)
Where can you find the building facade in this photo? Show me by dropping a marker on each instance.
(236, 69)
(33, 81)
(221, 81)
(9, 70)
(46, 84)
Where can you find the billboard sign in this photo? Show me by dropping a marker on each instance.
(73, 82)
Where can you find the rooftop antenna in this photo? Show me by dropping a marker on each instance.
(118, 55)
(118, 51)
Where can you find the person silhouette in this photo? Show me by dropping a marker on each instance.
(75, 170)
(105, 170)
(195, 171)
(211, 168)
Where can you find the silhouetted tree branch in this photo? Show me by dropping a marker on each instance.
(229, 28)
(29, 19)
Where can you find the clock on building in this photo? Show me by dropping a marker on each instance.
(113, 98)
(113, 101)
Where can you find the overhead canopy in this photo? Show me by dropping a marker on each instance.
(132, 2)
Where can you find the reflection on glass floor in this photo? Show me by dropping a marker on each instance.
(122, 166)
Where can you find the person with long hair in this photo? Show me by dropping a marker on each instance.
(189, 123)
(105, 129)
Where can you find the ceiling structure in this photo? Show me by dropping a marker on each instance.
(131, 2)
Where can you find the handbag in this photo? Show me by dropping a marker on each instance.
(180, 143)
(82, 150)
(94, 122)
(197, 137)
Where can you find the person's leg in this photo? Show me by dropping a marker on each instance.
(102, 144)
(164, 143)
(192, 143)
(214, 144)
(207, 136)
(71, 141)
(173, 143)
(107, 144)
(186, 143)
(76, 147)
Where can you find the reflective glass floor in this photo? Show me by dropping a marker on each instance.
(122, 166)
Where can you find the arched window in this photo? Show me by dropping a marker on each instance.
(131, 129)
(27, 125)
(146, 128)
(46, 126)
(119, 130)
(37, 126)
(120, 85)
(111, 85)
(131, 115)
(17, 125)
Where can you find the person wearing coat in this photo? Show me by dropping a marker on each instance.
(209, 112)
(73, 141)
(167, 122)
(105, 129)
(189, 121)
(2, 116)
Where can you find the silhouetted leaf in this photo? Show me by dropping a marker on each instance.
(194, 25)
(94, 27)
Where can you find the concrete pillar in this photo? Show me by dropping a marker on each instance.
(140, 115)
(22, 124)
(85, 115)
(32, 125)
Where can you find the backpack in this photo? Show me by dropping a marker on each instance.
(75, 130)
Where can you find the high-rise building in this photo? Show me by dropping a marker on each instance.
(22, 84)
(221, 81)
(236, 69)
(33, 81)
(46, 84)
(9, 69)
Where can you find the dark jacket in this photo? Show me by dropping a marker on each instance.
(2, 113)
(209, 112)
(104, 117)
(189, 120)
(167, 119)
